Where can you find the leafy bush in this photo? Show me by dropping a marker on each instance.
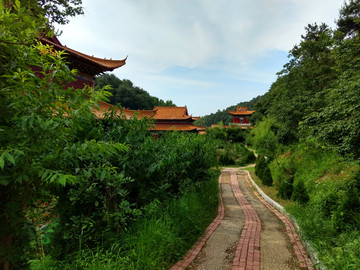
(108, 198)
(263, 172)
(226, 159)
(299, 193)
(266, 177)
(244, 155)
(156, 240)
(286, 188)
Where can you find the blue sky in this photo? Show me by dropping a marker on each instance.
(205, 54)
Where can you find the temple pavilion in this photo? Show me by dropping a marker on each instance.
(241, 117)
(166, 118)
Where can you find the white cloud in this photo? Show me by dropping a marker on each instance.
(228, 35)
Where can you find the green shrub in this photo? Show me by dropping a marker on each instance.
(259, 167)
(299, 193)
(266, 177)
(263, 172)
(235, 134)
(286, 188)
(226, 159)
(244, 155)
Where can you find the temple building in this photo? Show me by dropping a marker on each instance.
(241, 117)
(166, 118)
(173, 118)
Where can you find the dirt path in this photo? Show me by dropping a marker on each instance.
(246, 234)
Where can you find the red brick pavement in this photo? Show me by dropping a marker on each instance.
(195, 250)
(247, 254)
(300, 252)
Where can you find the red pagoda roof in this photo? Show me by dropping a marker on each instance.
(241, 111)
(99, 65)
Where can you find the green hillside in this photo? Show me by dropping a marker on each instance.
(307, 128)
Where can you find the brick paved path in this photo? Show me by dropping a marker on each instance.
(300, 252)
(247, 253)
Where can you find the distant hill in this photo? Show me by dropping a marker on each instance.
(223, 116)
(127, 95)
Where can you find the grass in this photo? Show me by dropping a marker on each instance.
(330, 219)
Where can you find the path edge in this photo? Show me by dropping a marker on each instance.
(310, 250)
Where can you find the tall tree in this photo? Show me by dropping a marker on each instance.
(55, 11)
(349, 18)
(300, 87)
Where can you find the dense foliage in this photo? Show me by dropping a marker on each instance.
(34, 131)
(70, 181)
(163, 233)
(127, 95)
(307, 134)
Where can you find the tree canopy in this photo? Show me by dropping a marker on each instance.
(127, 95)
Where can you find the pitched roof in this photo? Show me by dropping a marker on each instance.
(103, 108)
(102, 65)
(171, 126)
(241, 111)
(171, 113)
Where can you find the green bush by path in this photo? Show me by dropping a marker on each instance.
(156, 240)
(262, 171)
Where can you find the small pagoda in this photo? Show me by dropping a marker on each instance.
(241, 117)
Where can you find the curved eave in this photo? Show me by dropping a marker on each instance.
(237, 113)
(102, 64)
(189, 118)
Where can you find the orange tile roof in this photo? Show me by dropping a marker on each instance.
(103, 64)
(171, 113)
(171, 126)
(241, 111)
(140, 113)
(103, 108)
